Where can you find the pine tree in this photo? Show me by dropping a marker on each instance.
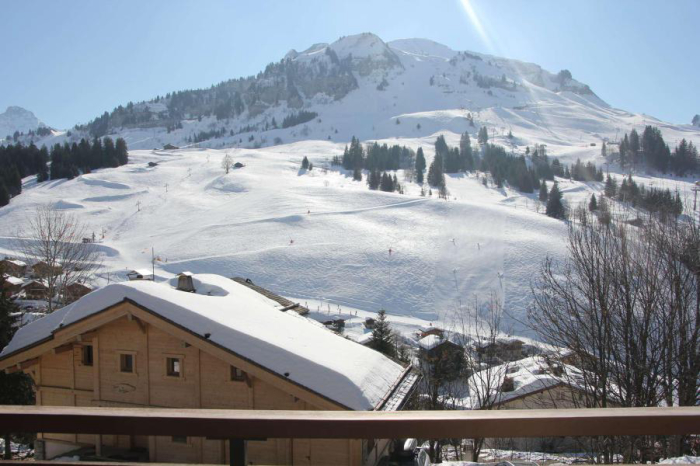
(420, 165)
(593, 204)
(357, 175)
(604, 150)
(305, 163)
(436, 176)
(15, 388)
(382, 336)
(555, 207)
(122, 151)
(544, 195)
(483, 135)
(610, 187)
(465, 153)
(633, 147)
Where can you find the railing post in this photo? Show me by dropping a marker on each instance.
(237, 452)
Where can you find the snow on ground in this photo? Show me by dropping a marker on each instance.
(681, 460)
(315, 236)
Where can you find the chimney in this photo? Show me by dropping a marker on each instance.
(185, 282)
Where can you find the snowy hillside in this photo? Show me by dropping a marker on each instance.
(318, 236)
(17, 119)
(314, 236)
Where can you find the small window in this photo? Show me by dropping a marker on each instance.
(87, 355)
(173, 367)
(126, 363)
(179, 439)
(237, 375)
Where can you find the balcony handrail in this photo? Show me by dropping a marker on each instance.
(261, 424)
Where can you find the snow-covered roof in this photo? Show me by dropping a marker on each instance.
(249, 325)
(529, 375)
(142, 272)
(35, 281)
(18, 263)
(430, 342)
(13, 280)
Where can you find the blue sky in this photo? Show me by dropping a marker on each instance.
(70, 61)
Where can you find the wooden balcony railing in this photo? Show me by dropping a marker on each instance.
(239, 425)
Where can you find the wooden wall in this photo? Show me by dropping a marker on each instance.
(63, 380)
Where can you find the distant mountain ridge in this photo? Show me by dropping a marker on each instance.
(323, 74)
(18, 119)
(361, 86)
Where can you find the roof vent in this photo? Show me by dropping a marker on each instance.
(185, 282)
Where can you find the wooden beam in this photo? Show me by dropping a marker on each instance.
(87, 336)
(28, 363)
(246, 424)
(63, 348)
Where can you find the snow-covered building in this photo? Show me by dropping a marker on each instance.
(35, 289)
(536, 382)
(143, 343)
(42, 269)
(11, 285)
(14, 267)
(76, 291)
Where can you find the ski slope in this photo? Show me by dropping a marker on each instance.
(319, 236)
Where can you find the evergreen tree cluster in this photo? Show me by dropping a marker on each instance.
(455, 159)
(70, 160)
(298, 118)
(206, 135)
(509, 168)
(650, 150)
(383, 181)
(652, 199)
(587, 172)
(16, 162)
(375, 157)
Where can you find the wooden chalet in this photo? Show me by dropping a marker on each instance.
(11, 285)
(76, 290)
(225, 345)
(13, 267)
(35, 289)
(41, 269)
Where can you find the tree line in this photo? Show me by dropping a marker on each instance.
(655, 200)
(650, 150)
(16, 162)
(374, 157)
(71, 160)
(67, 161)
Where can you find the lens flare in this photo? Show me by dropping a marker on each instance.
(476, 22)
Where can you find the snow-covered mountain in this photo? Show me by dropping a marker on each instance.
(18, 119)
(318, 236)
(361, 86)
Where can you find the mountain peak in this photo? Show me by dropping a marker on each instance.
(16, 118)
(424, 47)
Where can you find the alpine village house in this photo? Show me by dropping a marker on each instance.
(202, 341)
